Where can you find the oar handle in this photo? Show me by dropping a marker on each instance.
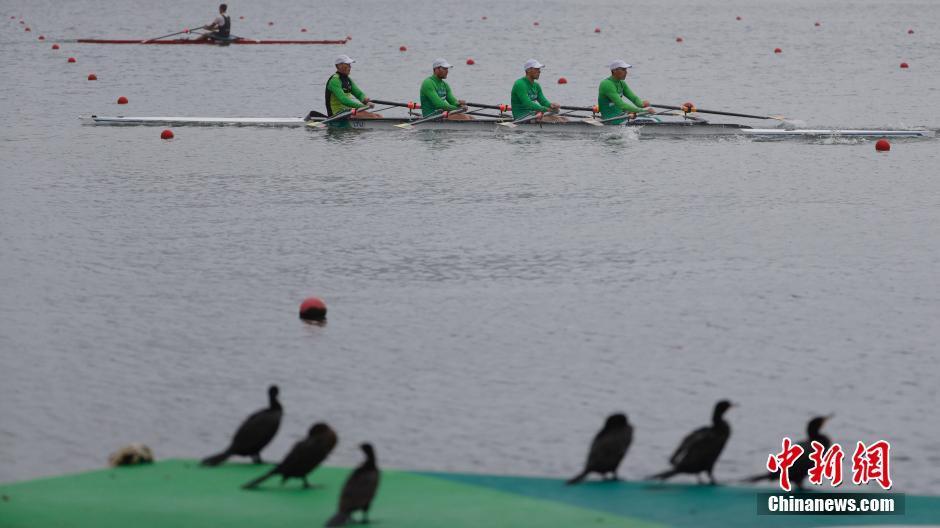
(410, 104)
(500, 107)
(593, 109)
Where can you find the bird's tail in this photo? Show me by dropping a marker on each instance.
(664, 475)
(577, 478)
(340, 519)
(215, 460)
(259, 480)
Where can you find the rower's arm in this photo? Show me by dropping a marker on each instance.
(428, 91)
(543, 100)
(632, 96)
(335, 86)
(450, 97)
(356, 91)
(608, 91)
(520, 98)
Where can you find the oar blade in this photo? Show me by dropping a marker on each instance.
(404, 126)
(592, 121)
(507, 124)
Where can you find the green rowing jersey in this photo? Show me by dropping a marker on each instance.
(527, 98)
(338, 90)
(610, 99)
(436, 96)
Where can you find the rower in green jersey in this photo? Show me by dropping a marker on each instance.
(527, 97)
(610, 95)
(342, 94)
(436, 95)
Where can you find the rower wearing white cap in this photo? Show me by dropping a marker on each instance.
(613, 89)
(436, 95)
(342, 94)
(527, 97)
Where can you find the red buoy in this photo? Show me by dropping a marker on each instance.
(122, 100)
(12, 17)
(303, 30)
(348, 37)
(483, 17)
(42, 37)
(72, 59)
(55, 46)
(270, 23)
(778, 50)
(882, 145)
(817, 24)
(402, 48)
(166, 134)
(92, 77)
(910, 31)
(241, 17)
(471, 62)
(737, 18)
(535, 23)
(679, 39)
(904, 65)
(562, 80)
(27, 29)
(21, 21)
(597, 30)
(313, 309)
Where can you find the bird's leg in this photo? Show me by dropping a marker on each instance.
(306, 484)
(257, 459)
(698, 478)
(365, 515)
(711, 478)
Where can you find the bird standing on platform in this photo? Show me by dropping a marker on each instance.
(608, 449)
(304, 457)
(254, 433)
(798, 472)
(358, 491)
(699, 451)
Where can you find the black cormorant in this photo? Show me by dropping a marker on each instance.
(254, 433)
(358, 491)
(304, 457)
(699, 451)
(608, 448)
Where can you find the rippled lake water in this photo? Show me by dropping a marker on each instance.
(492, 296)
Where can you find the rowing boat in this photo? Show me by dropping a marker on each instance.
(240, 40)
(643, 126)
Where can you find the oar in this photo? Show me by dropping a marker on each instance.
(526, 119)
(717, 112)
(341, 115)
(592, 109)
(174, 34)
(436, 115)
(393, 103)
(500, 107)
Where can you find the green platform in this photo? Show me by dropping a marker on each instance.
(179, 493)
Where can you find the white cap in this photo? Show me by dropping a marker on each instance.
(440, 63)
(619, 64)
(532, 63)
(344, 59)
